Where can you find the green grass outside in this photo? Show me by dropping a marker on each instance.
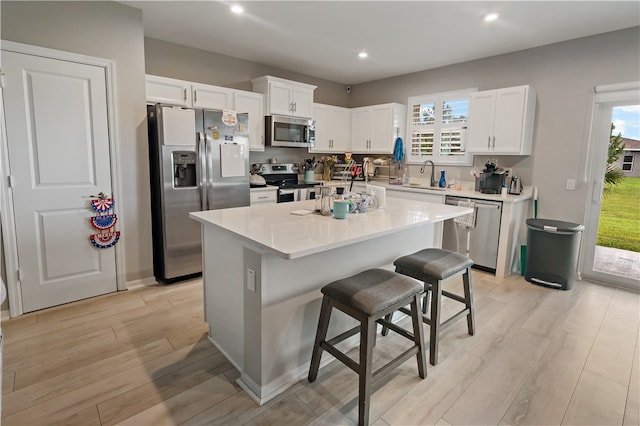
(619, 225)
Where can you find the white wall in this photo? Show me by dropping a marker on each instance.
(113, 31)
(564, 75)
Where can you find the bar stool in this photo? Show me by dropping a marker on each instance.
(433, 266)
(368, 297)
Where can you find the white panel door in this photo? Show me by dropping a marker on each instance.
(58, 144)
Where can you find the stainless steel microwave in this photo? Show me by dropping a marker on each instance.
(292, 132)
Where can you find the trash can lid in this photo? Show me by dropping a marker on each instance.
(550, 225)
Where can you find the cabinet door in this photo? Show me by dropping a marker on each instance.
(168, 91)
(321, 117)
(302, 102)
(252, 103)
(360, 129)
(509, 120)
(481, 118)
(340, 129)
(280, 96)
(205, 96)
(381, 136)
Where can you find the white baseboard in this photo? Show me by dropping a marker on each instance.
(141, 282)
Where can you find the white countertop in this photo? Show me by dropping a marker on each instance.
(467, 192)
(274, 228)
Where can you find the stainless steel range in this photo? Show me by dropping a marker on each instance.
(285, 177)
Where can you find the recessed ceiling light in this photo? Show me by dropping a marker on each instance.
(490, 17)
(363, 55)
(237, 9)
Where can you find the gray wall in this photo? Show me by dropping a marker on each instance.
(113, 31)
(185, 63)
(564, 75)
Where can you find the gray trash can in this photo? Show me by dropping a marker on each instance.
(552, 252)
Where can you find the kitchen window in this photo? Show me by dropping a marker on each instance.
(437, 128)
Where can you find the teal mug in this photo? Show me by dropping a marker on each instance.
(340, 209)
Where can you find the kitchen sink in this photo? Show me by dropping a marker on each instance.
(429, 188)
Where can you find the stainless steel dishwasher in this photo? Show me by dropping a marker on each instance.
(484, 236)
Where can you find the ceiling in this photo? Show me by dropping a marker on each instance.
(322, 38)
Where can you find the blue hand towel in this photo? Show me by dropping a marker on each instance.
(398, 149)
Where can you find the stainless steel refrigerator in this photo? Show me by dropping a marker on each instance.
(199, 160)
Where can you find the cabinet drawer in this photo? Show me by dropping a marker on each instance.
(259, 197)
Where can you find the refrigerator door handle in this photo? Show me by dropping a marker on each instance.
(201, 145)
(209, 167)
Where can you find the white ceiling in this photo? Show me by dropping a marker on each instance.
(322, 38)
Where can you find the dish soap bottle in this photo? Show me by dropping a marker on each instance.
(442, 183)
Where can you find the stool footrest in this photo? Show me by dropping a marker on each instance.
(453, 296)
(454, 317)
(339, 355)
(401, 331)
(345, 335)
(393, 364)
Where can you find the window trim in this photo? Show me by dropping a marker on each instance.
(438, 128)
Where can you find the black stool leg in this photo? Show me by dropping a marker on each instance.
(321, 335)
(468, 301)
(434, 327)
(367, 335)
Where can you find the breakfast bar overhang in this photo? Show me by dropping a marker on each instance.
(263, 268)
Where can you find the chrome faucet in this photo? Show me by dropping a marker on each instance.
(433, 177)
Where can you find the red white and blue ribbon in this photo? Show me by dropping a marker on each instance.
(104, 223)
(105, 239)
(102, 205)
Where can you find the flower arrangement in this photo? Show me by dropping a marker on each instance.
(327, 163)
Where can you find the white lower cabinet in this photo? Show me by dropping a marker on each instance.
(263, 195)
(422, 196)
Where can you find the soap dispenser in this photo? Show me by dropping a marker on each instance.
(442, 183)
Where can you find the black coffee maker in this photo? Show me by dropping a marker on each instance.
(491, 178)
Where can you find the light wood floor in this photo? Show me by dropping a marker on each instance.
(141, 357)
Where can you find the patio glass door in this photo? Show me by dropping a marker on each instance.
(612, 232)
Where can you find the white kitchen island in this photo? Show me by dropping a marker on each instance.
(264, 267)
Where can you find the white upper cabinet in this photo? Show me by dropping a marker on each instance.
(214, 97)
(375, 128)
(285, 97)
(253, 104)
(195, 95)
(333, 128)
(168, 91)
(501, 121)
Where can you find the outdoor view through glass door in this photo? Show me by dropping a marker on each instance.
(618, 243)
(612, 235)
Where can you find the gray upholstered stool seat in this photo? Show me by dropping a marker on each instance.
(432, 266)
(368, 297)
